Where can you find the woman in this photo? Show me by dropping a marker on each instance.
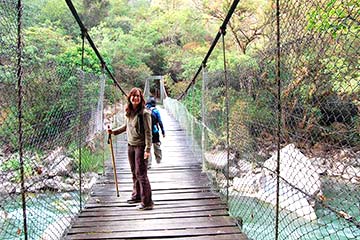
(138, 129)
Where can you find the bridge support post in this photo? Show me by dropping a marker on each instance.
(162, 92)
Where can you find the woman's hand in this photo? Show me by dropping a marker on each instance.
(109, 130)
(146, 155)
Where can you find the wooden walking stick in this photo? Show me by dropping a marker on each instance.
(113, 163)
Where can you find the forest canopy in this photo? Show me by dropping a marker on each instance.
(140, 38)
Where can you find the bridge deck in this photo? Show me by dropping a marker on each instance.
(185, 207)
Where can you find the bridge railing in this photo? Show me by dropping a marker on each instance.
(51, 129)
(279, 130)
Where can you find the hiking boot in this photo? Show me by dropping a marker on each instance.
(132, 200)
(142, 207)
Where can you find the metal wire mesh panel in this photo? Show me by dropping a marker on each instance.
(8, 113)
(187, 121)
(280, 136)
(320, 114)
(215, 112)
(317, 122)
(53, 153)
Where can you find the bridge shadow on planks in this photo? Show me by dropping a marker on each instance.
(185, 207)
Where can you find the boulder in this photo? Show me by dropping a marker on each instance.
(296, 169)
(298, 181)
(216, 159)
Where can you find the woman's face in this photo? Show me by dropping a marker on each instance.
(135, 99)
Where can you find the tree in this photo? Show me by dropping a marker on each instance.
(247, 23)
(94, 11)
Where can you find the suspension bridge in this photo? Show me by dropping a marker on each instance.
(185, 205)
(264, 145)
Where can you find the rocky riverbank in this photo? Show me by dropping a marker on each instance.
(53, 171)
(300, 177)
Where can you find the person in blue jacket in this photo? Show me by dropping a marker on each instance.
(156, 126)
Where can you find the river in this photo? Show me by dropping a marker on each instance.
(258, 218)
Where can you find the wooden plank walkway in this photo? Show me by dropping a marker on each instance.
(185, 207)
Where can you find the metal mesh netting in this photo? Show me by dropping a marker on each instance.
(283, 151)
(7, 87)
(288, 164)
(61, 150)
(187, 121)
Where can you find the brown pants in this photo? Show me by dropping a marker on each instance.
(141, 184)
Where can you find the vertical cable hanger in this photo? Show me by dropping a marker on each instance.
(20, 116)
(102, 122)
(223, 32)
(80, 114)
(278, 119)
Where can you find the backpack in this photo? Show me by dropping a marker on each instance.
(154, 120)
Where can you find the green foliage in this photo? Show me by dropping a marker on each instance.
(127, 54)
(259, 111)
(44, 44)
(13, 165)
(233, 60)
(141, 38)
(174, 89)
(72, 58)
(192, 100)
(90, 161)
(335, 18)
(190, 66)
(246, 26)
(51, 13)
(9, 128)
(112, 93)
(156, 60)
(344, 78)
(243, 62)
(248, 119)
(215, 101)
(176, 25)
(94, 12)
(118, 8)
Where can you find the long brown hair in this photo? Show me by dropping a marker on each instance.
(129, 107)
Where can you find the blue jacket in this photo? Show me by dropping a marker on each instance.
(155, 119)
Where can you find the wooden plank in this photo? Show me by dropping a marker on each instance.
(156, 187)
(185, 207)
(211, 233)
(235, 236)
(196, 202)
(157, 224)
(114, 211)
(90, 220)
(179, 196)
(110, 192)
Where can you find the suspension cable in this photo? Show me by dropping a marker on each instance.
(215, 41)
(88, 38)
